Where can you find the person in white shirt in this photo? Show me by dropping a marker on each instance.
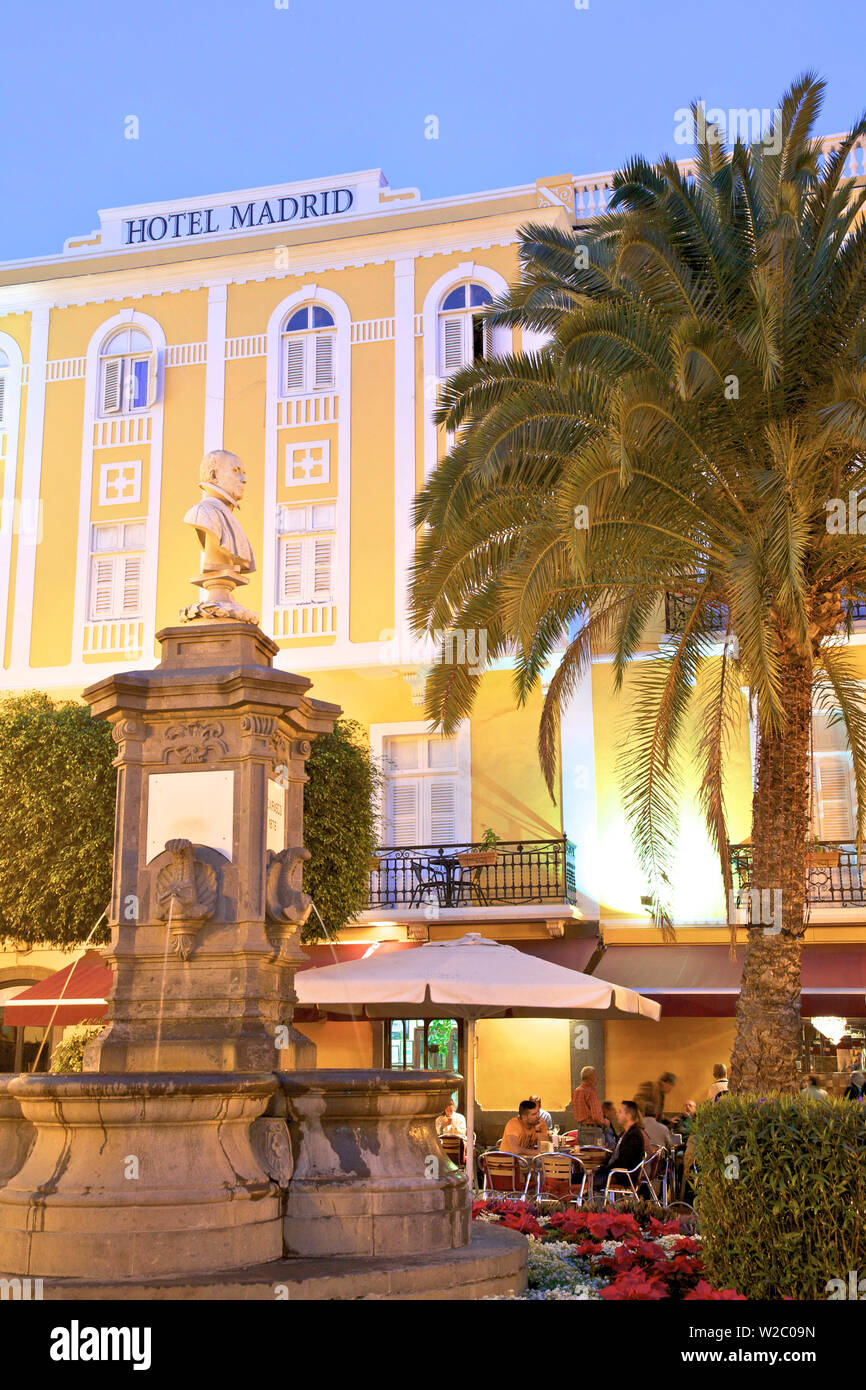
(544, 1114)
(451, 1121)
(720, 1081)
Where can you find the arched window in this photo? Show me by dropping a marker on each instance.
(463, 336)
(4, 377)
(127, 372)
(309, 345)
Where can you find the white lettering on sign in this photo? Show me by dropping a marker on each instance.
(276, 817)
(269, 212)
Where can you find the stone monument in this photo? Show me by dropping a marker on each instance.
(226, 556)
(200, 1139)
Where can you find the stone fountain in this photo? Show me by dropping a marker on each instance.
(201, 1149)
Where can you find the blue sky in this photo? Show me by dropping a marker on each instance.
(240, 93)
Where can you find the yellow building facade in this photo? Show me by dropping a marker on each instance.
(308, 328)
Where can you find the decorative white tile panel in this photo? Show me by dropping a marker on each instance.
(309, 462)
(120, 482)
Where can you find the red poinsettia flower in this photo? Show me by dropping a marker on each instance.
(635, 1286)
(703, 1291)
(664, 1228)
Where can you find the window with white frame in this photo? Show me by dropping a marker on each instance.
(116, 568)
(305, 554)
(4, 387)
(834, 802)
(422, 789)
(308, 351)
(127, 372)
(463, 336)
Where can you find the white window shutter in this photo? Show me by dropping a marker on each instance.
(130, 596)
(405, 806)
(322, 556)
(294, 382)
(111, 374)
(489, 340)
(324, 360)
(102, 572)
(443, 810)
(834, 802)
(291, 570)
(2, 398)
(150, 395)
(451, 350)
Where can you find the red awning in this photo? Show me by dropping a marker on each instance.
(83, 985)
(703, 981)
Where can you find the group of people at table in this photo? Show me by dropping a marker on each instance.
(630, 1132)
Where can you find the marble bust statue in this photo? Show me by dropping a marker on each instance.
(226, 556)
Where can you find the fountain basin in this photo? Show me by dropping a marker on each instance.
(140, 1175)
(16, 1133)
(370, 1178)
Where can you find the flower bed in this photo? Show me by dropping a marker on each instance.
(581, 1254)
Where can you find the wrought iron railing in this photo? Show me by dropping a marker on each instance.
(678, 608)
(835, 877)
(449, 875)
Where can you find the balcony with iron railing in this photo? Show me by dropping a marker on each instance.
(469, 875)
(678, 608)
(835, 874)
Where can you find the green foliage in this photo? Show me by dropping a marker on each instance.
(781, 1193)
(340, 827)
(701, 397)
(490, 839)
(57, 794)
(68, 1055)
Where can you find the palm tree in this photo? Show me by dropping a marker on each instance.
(700, 402)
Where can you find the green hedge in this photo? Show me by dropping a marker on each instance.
(781, 1193)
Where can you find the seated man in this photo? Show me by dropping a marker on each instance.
(655, 1131)
(629, 1151)
(451, 1121)
(524, 1132)
(545, 1114)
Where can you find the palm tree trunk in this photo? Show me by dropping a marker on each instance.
(768, 1010)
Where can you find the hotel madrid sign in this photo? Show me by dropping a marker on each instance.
(288, 205)
(237, 217)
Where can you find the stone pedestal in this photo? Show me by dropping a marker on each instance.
(136, 1176)
(16, 1134)
(206, 896)
(369, 1175)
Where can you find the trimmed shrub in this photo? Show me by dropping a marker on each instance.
(781, 1193)
(340, 827)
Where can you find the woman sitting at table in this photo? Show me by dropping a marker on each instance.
(451, 1121)
(629, 1151)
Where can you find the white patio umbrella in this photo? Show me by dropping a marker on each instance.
(470, 978)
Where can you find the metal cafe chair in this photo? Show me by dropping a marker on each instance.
(632, 1179)
(561, 1176)
(504, 1172)
(427, 878)
(455, 1147)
